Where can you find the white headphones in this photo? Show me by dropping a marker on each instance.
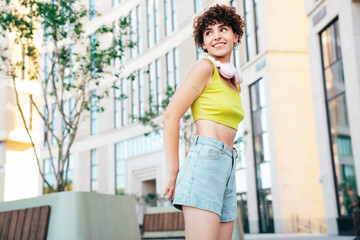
(228, 71)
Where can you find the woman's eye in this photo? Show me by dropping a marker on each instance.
(223, 29)
(207, 33)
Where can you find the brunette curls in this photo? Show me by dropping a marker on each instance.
(217, 14)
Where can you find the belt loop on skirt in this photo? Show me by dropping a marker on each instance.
(196, 141)
(222, 148)
(234, 153)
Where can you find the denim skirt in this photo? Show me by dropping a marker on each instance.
(206, 179)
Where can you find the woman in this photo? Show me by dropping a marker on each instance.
(204, 188)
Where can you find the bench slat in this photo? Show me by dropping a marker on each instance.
(19, 224)
(172, 221)
(6, 225)
(43, 222)
(34, 223)
(13, 221)
(26, 229)
(2, 220)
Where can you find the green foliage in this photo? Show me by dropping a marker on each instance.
(77, 63)
(151, 199)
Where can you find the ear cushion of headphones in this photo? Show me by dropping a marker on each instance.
(227, 70)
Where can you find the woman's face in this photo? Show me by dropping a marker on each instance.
(219, 40)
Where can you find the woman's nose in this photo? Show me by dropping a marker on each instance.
(217, 34)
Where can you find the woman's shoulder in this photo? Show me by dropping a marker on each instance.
(204, 64)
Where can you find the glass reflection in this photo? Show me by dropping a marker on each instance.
(339, 129)
(262, 156)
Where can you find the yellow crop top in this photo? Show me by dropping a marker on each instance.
(218, 103)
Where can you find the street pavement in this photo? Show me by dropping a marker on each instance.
(296, 236)
(283, 236)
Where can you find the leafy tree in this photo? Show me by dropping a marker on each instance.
(153, 118)
(75, 64)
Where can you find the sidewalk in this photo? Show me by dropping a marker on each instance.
(280, 236)
(296, 236)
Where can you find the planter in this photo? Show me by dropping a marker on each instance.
(83, 215)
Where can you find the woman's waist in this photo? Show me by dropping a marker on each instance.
(215, 130)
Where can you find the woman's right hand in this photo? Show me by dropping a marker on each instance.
(169, 192)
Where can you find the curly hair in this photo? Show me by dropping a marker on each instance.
(217, 14)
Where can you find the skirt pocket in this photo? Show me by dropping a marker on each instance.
(182, 170)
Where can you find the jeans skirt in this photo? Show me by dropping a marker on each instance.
(206, 179)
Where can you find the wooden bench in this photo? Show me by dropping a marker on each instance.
(163, 224)
(28, 223)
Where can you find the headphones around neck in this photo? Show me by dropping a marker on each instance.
(228, 71)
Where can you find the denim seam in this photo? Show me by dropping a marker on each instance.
(193, 176)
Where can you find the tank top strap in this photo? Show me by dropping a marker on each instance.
(216, 76)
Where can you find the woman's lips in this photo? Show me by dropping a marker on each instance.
(219, 45)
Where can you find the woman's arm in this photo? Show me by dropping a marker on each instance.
(188, 91)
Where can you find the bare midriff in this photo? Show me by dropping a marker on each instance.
(216, 130)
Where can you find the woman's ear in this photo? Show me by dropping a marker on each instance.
(236, 38)
(203, 46)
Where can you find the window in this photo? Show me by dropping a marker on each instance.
(92, 10)
(151, 85)
(53, 123)
(262, 156)
(94, 171)
(158, 82)
(141, 93)
(72, 112)
(65, 109)
(120, 154)
(236, 53)
(169, 70)
(167, 15)
(49, 175)
(256, 22)
(176, 67)
(139, 29)
(174, 16)
(156, 21)
(116, 47)
(93, 43)
(117, 118)
(337, 115)
(247, 29)
(72, 75)
(132, 28)
(46, 129)
(122, 38)
(198, 4)
(123, 102)
(134, 99)
(199, 53)
(47, 72)
(242, 203)
(54, 68)
(94, 113)
(69, 166)
(150, 32)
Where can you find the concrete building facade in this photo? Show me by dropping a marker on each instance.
(285, 169)
(334, 34)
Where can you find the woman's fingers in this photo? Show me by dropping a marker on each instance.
(170, 188)
(166, 191)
